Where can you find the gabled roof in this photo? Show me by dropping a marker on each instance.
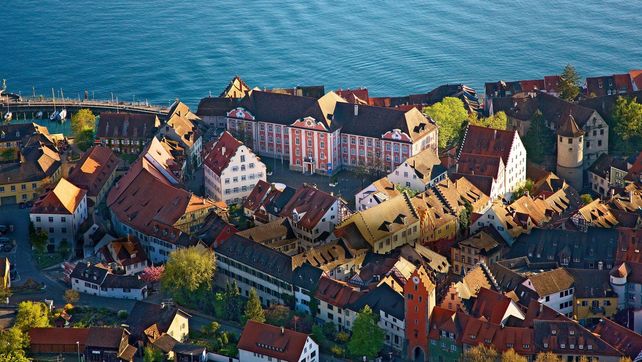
(553, 281)
(217, 155)
(63, 199)
(382, 298)
(558, 336)
(279, 343)
(94, 169)
(144, 315)
(216, 106)
(486, 241)
(336, 293)
(275, 107)
(592, 283)
(124, 251)
(37, 158)
(619, 337)
(484, 141)
(237, 88)
(257, 256)
(310, 204)
(127, 125)
(427, 165)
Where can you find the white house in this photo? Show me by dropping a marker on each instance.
(419, 172)
(231, 170)
(264, 342)
(555, 289)
(507, 145)
(376, 193)
(99, 280)
(60, 212)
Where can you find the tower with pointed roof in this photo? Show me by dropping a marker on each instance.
(570, 152)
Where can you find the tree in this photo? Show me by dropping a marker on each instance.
(13, 343)
(253, 309)
(152, 274)
(525, 187)
(570, 83)
(464, 216)
(38, 240)
(232, 300)
(318, 335)
(277, 315)
(71, 296)
(83, 120)
(586, 199)
(151, 354)
(539, 140)
(512, 356)
(627, 119)
(480, 353)
(547, 357)
(625, 359)
(188, 274)
(367, 336)
(32, 315)
(498, 120)
(450, 116)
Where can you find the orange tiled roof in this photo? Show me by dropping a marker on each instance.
(94, 169)
(63, 199)
(278, 343)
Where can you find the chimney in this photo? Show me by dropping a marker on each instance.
(223, 150)
(282, 330)
(541, 308)
(356, 110)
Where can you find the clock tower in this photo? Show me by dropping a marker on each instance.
(419, 296)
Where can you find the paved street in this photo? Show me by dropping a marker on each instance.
(347, 186)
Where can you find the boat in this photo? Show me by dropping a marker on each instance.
(54, 116)
(8, 116)
(62, 115)
(39, 115)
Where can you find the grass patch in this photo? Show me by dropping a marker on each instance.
(45, 260)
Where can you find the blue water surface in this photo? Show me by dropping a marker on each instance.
(162, 49)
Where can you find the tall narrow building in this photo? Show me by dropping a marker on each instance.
(419, 295)
(570, 152)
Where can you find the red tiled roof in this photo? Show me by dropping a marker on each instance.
(441, 319)
(488, 142)
(256, 197)
(217, 155)
(336, 293)
(619, 337)
(623, 82)
(283, 344)
(635, 172)
(636, 77)
(478, 331)
(629, 245)
(58, 336)
(63, 199)
(552, 83)
(480, 165)
(490, 305)
(94, 169)
(532, 85)
(310, 201)
(126, 125)
(127, 251)
(355, 95)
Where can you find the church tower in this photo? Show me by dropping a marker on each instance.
(570, 152)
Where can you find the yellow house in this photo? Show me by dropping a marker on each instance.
(593, 297)
(5, 279)
(437, 222)
(383, 227)
(32, 163)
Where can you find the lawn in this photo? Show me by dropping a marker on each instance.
(45, 260)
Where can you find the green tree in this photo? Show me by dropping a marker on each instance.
(32, 315)
(188, 274)
(13, 343)
(480, 353)
(570, 83)
(627, 119)
(38, 240)
(450, 116)
(83, 120)
(539, 140)
(522, 189)
(71, 296)
(232, 300)
(277, 315)
(151, 354)
(512, 356)
(547, 357)
(367, 336)
(586, 199)
(253, 309)
(498, 120)
(464, 217)
(318, 335)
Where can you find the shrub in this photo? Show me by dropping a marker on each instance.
(337, 351)
(343, 337)
(122, 314)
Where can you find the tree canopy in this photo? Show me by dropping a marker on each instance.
(627, 119)
(83, 120)
(367, 336)
(232, 300)
(480, 353)
(71, 296)
(539, 140)
(512, 356)
(498, 120)
(253, 309)
(570, 83)
(13, 343)
(188, 274)
(547, 357)
(32, 315)
(450, 116)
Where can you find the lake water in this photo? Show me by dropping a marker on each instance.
(161, 49)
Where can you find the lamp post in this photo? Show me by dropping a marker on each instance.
(78, 349)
